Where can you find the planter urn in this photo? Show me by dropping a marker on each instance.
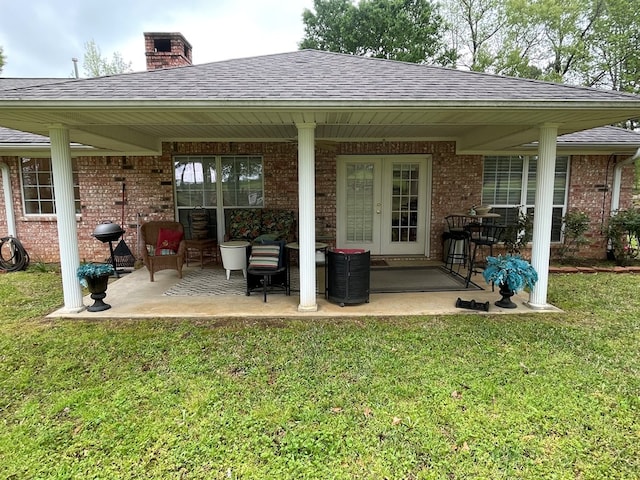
(97, 286)
(505, 301)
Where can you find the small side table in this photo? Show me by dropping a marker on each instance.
(234, 256)
(206, 248)
(321, 255)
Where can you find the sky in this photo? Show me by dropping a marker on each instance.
(39, 38)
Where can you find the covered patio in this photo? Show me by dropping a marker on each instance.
(314, 100)
(133, 296)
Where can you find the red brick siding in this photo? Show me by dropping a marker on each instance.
(590, 183)
(456, 185)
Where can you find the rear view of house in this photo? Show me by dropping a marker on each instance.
(365, 153)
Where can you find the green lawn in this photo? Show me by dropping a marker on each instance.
(531, 396)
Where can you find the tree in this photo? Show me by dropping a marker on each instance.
(95, 65)
(477, 27)
(405, 30)
(562, 33)
(1, 59)
(614, 48)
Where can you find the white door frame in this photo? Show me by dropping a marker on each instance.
(382, 195)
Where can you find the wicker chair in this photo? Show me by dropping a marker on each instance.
(149, 233)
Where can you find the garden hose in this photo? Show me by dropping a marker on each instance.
(16, 258)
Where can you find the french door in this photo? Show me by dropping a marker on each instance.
(383, 204)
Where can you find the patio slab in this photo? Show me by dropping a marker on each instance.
(134, 296)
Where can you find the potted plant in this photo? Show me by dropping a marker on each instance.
(95, 277)
(511, 273)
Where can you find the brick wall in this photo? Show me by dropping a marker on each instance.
(456, 185)
(590, 183)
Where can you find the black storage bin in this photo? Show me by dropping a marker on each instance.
(348, 273)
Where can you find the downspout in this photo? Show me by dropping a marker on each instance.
(8, 199)
(617, 180)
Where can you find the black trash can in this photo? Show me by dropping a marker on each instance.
(348, 276)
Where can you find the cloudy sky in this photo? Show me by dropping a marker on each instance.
(40, 37)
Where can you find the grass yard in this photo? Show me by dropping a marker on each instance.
(532, 396)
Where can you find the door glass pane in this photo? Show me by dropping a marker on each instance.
(404, 202)
(359, 201)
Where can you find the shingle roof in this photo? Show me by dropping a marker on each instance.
(8, 135)
(602, 136)
(310, 75)
(8, 83)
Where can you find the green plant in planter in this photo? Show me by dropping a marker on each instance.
(519, 233)
(95, 277)
(93, 270)
(511, 273)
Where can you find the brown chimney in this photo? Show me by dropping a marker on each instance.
(166, 50)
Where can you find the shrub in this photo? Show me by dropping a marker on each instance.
(575, 225)
(517, 235)
(623, 235)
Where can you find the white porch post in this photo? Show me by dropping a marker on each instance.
(307, 216)
(66, 215)
(540, 251)
(8, 199)
(617, 180)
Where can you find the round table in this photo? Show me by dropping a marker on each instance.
(234, 256)
(321, 252)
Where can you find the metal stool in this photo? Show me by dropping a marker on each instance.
(482, 235)
(458, 238)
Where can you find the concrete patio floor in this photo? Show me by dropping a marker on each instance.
(134, 296)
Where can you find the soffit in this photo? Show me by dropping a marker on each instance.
(474, 129)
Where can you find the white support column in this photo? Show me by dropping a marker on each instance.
(307, 216)
(615, 188)
(540, 251)
(8, 199)
(617, 180)
(66, 216)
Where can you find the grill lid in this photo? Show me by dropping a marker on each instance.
(107, 232)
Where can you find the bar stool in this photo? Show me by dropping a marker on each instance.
(481, 236)
(458, 237)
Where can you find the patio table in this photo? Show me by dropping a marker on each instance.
(321, 248)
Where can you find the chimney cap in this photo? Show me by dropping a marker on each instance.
(167, 35)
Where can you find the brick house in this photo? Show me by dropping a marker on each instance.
(367, 153)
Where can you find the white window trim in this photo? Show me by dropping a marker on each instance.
(524, 206)
(219, 208)
(45, 216)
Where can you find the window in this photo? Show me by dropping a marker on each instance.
(510, 182)
(241, 180)
(215, 183)
(37, 186)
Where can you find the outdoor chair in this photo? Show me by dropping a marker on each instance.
(482, 238)
(267, 268)
(164, 246)
(456, 239)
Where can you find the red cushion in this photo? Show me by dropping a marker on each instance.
(349, 251)
(168, 240)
